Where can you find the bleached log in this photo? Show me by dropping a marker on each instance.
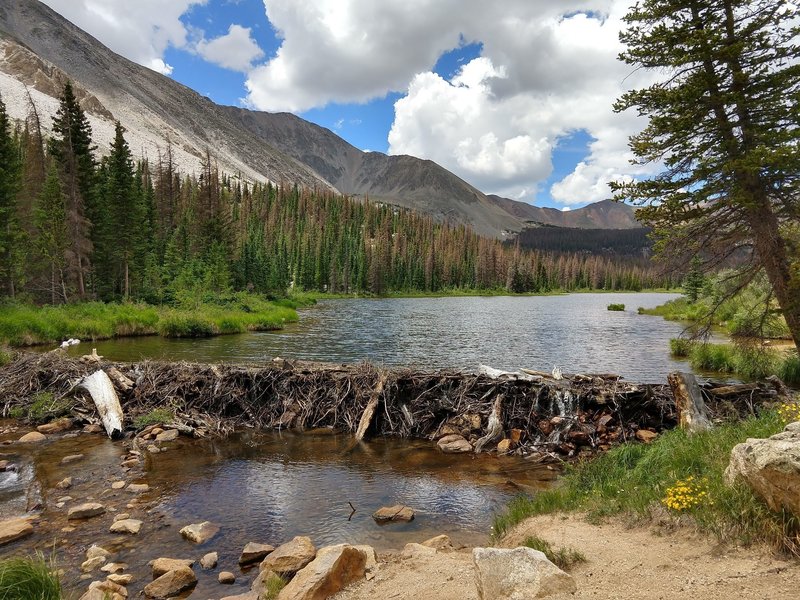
(105, 398)
(494, 428)
(692, 411)
(369, 411)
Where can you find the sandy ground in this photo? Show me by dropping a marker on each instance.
(622, 564)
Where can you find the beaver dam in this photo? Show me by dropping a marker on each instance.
(531, 414)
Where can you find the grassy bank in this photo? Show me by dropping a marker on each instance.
(678, 474)
(26, 325)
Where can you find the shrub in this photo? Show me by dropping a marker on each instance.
(616, 307)
(29, 579)
(680, 347)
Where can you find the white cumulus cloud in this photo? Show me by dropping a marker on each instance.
(236, 50)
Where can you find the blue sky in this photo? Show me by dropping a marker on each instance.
(514, 97)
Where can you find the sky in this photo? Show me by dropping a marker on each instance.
(513, 96)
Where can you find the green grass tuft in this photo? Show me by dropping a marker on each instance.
(746, 361)
(616, 307)
(42, 407)
(272, 587)
(564, 558)
(634, 479)
(29, 579)
(156, 416)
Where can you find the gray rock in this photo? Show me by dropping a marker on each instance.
(200, 533)
(771, 467)
(86, 510)
(503, 574)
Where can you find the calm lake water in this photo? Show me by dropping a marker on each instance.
(574, 332)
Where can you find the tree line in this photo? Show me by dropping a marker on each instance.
(76, 227)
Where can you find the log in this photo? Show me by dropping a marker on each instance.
(692, 411)
(494, 429)
(727, 391)
(105, 398)
(125, 383)
(369, 411)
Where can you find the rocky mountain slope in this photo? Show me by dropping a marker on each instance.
(40, 50)
(606, 214)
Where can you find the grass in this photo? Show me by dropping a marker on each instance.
(272, 587)
(616, 307)
(42, 408)
(28, 579)
(638, 480)
(26, 325)
(564, 558)
(156, 416)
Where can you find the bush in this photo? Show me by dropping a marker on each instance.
(616, 307)
(680, 347)
(29, 579)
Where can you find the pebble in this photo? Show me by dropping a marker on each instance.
(118, 485)
(71, 459)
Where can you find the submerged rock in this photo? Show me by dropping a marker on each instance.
(389, 514)
(86, 510)
(200, 533)
(503, 574)
(771, 467)
(164, 565)
(334, 568)
(129, 526)
(71, 458)
(105, 590)
(171, 583)
(14, 529)
(290, 557)
(454, 444)
(254, 552)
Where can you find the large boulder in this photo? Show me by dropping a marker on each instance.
(334, 568)
(771, 467)
(14, 529)
(290, 557)
(171, 583)
(517, 574)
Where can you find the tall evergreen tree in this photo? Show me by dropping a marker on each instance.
(10, 183)
(52, 233)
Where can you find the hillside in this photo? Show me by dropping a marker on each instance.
(606, 214)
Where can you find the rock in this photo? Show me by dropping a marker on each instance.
(200, 533)
(105, 590)
(290, 557)
(171, 583)
(7, 465)
(86, 510)
(120, 579)
(417, 551)
(95, 550)
(121, 517)
(114, 567)
(155, 431)
(245, 596)
(56, 426)
(389, 514)
(93, 428)
(334, 568)
(92, 563)
(254, 552)
(170, 435)
(71, 459)
(34, 437)
(440, 542)
(516, 436)
(164, 565)
(372, 556)
(209, 561)
(771, 467)
(129, 526)
(454, 444)
(14, 529)
(226, 577)
(138, 488)
(504, 574)
(130, 463)
(64, 483)
(153, 449)
(646, 436)
(118, 485)
(504, 446)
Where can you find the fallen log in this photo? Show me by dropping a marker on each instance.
(125, 383)
(726, 391)
(369, 411)
(105, 398)
(692, 411)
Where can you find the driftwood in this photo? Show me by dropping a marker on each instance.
(692, 411)
(494, 429)
(124, 383)
(728, 391)
(369, 411)
(105, 399)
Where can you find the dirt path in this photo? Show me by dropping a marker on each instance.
(623, 564)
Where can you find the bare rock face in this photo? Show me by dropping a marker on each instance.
(334, 568)
(171, 583)
(86, 510)
(771, 467)
(290, 557)
(14, 529)
(200, 533)
(454, 444)
(254, 552)
(503, 574)
(389, 514)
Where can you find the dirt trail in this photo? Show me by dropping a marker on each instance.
(622, 564)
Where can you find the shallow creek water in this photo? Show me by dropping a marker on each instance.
(263, 487)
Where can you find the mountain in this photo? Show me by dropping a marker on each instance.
(40, 51)
(605, 214)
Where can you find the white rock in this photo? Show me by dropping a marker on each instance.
(518, 574)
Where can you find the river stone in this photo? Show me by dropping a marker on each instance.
(418, 551)
(372, 556)
(771, 467)
(14, 529)
(121, 517)
(440, 542)
(56, 426)
(71, 459)
(254, 552)
(64, 483)
(505, 574)
(114, 567)
(170, 435)
(334, 568)
(138, 488)
(90, 564)
(120, 579)
(226, 577)
(290, 557)
(164, 565)
(33, 437)
(245, 596)
(200, 533)
(389, 514)
(130, 526)
(171, 583)
(454, 444)
(105, 590)
(118, 485)
(95, 550)
(86, 510)
(209, 561)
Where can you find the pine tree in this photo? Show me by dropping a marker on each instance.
(52, 236)
(10, 184)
